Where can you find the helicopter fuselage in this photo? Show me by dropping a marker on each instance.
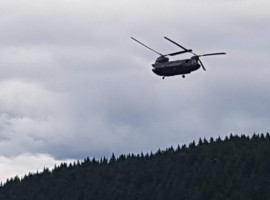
(164, 67)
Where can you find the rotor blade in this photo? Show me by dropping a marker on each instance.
(146, 46)
(213, 54)
(178, 52)
(187, 50)
(175, 43)
(201, 64)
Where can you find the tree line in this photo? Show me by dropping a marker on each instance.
(233, 168)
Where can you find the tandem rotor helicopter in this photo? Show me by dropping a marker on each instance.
(163, 67)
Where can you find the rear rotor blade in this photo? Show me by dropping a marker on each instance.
(175, 43)
(178, 52)
(212, 54)
(187, 50)
(146, 46)
(201, 64)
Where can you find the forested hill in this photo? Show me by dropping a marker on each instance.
(236, 168)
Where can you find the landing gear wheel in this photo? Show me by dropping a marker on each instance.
(183, 76)
(163, 77)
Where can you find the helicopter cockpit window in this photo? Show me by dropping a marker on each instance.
(162, 59)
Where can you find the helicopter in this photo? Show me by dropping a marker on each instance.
(163, 67)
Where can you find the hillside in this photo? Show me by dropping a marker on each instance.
(235, 168)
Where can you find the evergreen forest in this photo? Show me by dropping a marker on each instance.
(234, 168)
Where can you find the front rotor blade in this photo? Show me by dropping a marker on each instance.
(146, 46)
(201, 64)
(213, 54)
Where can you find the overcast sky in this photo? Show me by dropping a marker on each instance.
(73, 84)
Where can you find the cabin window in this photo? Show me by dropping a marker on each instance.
(193, 61)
